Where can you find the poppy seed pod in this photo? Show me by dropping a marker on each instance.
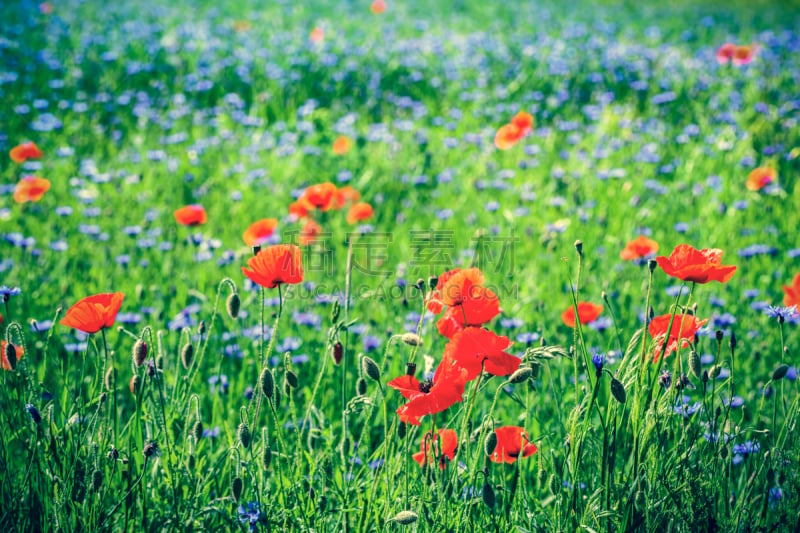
(521, 375)
(11, 356)
(267, 383)
(487, 495)
(187, 355)
(411, 339)
(237, 486)
(244, 435)
(337, 353)
(370, 368)
(232, 305)
(139, 352)
(618, 390)
(694, 364)
(404, 518)
(490, 443)
(780, 372)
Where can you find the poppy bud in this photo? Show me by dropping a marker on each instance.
(159, 364)
(201, 328)
(277, 399)
(401, 430)
(411, 339)
(110, 378)
(11, 356)
(370, 368)
(780, 372)
(97, 480)
(267, 383)
(336, 309)
(191, 461)
(618, 390)
(404, 518)
(522, 374)
(233, 304)
(361, 386)
(101, 399)
(705, 376)
(150, 449)
(694, 364)
(714, 372)
(542, 342)
(541, 477)
(266, 457)
(579, 247)
(136, 383)
(490, 443)
(139, 352)
(187, 354)
(197, 430)
(411, 369)
(244, 435)
(113, 454)
(291, 379)
(487, 495)
(420, 285)
(433, 281)
(723, 452)
(552, 485)
(237, 486)
(337, 353)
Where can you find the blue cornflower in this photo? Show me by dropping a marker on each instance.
(250, 514)
(782, 314)
(7, 292)
(774, 496)
(597, 360)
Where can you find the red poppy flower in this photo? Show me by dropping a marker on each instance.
(359, 212)
(317, 35)
(282, 263)
(791, 294)
(191, 215)
(760, 178)
(523, 121)
(512, 443)
(18, 350)
(25, 151)
(429, 397)
(30, 189)
(311, 230)
(435, 304)
(377, 7)
(587, 313)
(320, 196)
(658, 330)
(507, 136)
(94, 313)
(300, 208)
(260, 231)
(440, 447)
(742, 55)
(725, 53)
(639, 248)
(462, 291)
(474, 349)
(344, 195)
(342, 145)
(700, 266)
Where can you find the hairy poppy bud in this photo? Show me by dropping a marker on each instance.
(411, 339)
(150, 449)
(714, 372)
(361, 386)
(487, 495)
(266, 457)
(404, 518)
(11, 356)
(420, 284)
(490, 443)
(110, 378)
(197, 430)
(267, 383)
(237, 486)
(97, 480)
(139, 352)
(136, 384)
(244, 435)
(291, 379)
(780, 372)
(79, 482)
(370, 368)
(187, 355)
(705, 376)
(233, 304)
(694, 364)
(542, 342)
(618, 390)
(191, 461)
(522, 374)
(337, 353)
(552, 485)
(336, 309)
(102, 398)
(401, 430)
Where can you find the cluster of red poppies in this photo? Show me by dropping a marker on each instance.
(29, 188)
(324, 197)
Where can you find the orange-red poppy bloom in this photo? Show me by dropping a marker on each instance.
(300, 208)
(344, 195)
(760, 178)
(477, 349)
(437, 447)
(317, 35)
(742, 55)
(791, 293)
(429, 397)
(260, 231)
(512, 443)
(377, 7)
(587, 313)
(309, 233)
(94, 313)
(468, 302)
(191, 215)
(359, 212)
(30, 189)
(639, 248)
(18, 351)
(275, 265)
(658, 331)
(507, 136)
(25, 151)
(523, 121)
(320, 196)
(725, 53)
(700, 266)
(342, 145)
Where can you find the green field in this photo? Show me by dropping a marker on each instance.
(139, 110)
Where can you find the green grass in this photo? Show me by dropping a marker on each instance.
(601, 465)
